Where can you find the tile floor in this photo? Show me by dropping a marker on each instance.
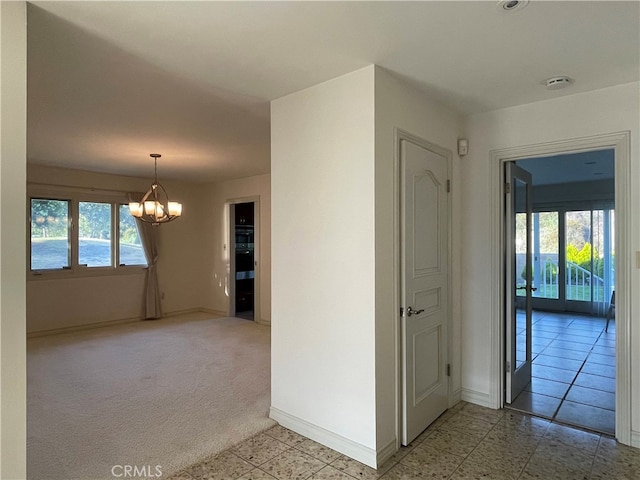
(573, 371)
(466, 442)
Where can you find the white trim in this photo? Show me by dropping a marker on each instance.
(477, 398)
(455, 397)
(341, 444)
(397, 295)
(620, 142)
(175, 313)
(111, 323)
(187, 311)
(386, 452)
(635, 439)
(78, 328)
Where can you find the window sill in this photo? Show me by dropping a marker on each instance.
(83, 272)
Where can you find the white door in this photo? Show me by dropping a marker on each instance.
(424, 276)
(518, 280)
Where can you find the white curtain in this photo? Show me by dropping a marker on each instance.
(151, 301)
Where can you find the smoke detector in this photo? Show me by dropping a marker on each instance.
(556, 83)
(512, 5)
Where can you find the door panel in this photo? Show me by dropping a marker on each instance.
(424, 265)
(519, 281)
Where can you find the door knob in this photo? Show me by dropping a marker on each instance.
(532, 289)
(411, 311)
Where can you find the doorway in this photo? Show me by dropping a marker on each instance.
(243, 260)
(560, 280)
(624, 260)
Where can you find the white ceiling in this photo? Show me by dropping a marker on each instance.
(111, 82)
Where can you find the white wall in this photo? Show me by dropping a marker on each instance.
(216, 233)
(73, 301)
(608, 110)
(13, 154)
(323, 331)
(401, 106)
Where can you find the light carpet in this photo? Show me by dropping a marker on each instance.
(169, 392)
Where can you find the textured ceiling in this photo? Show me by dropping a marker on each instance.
(111, 82)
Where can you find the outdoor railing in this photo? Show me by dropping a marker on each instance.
(579, 282)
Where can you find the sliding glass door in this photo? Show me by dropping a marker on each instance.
(590, 276)
(572, 259)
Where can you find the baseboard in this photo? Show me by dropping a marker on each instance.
(187, 311)
(111, 323)
(79, 328)
(455, 397)
(386, 452)
(635, 438)
(478, 398)
(218, 313)
(341, 444)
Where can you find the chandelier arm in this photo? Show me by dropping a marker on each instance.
(164, 191)
(146, 196)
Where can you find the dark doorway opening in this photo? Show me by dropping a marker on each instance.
(244, 259)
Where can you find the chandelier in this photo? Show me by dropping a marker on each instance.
(155, 206)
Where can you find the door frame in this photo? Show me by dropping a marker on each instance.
(400, 135)
(620, 143)
(230, 242)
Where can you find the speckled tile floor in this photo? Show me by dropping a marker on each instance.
(466, 442)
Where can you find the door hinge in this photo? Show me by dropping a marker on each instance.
(448, 186)
(507, 367)
(448, 369)
(402, 311)
(507, 188)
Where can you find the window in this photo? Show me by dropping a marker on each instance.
(131, 252)
(50, 238)
(94, 232)
(80, 235)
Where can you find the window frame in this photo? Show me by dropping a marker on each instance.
(74, 196)
(60, 198)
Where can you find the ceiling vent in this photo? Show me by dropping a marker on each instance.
(556, 83)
